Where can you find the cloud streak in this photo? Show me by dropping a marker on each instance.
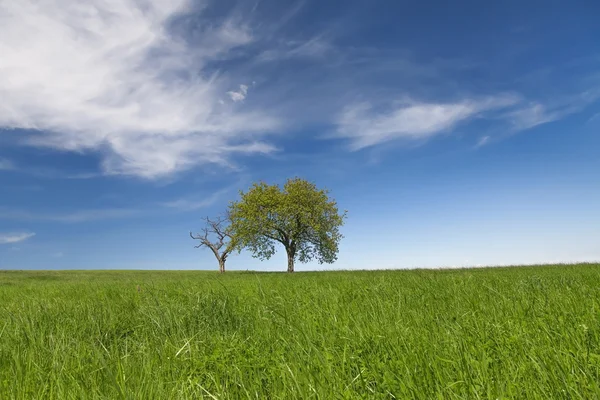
(365, 127)
(113, 77)
(533, 114)
(484, 140)
(71, 217)
(198, 202)
(47, 172)
(188, 204)
(368, 124)
(240, 95)
(8, 238)
(6, 165)
(81, 216)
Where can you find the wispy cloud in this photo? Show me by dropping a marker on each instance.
(46, 172)
(483, 141)
(314, 48)
(190, 204)
(70, 217)
(7, 238)
(6, 165)
(116, 78)
(366, 127)
(532, 115)
(240, 95)
(367, 124)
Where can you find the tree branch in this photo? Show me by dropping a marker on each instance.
(216, 228)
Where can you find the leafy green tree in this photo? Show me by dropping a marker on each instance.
(299, 216)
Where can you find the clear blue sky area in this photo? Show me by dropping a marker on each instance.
(454, 133)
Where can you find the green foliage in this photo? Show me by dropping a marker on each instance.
(505, 333)
(300, 216)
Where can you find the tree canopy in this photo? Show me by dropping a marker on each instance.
(301, 217)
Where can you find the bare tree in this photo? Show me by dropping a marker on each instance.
(217, 237)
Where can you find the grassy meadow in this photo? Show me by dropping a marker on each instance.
(492, 333)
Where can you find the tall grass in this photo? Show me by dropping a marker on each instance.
(531, 332)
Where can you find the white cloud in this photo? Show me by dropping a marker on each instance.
(412, 120)
(483, 141)
(109, 76)
(190, 204)
(7, 238)
(315, 48)
(71, 217)
(532, 115)
(183, 204)
(46, 171)
(6, 165)
(240, 95)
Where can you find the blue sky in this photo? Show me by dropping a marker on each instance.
(454, 133)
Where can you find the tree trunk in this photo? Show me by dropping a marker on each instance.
(221, 266)
(290, 257)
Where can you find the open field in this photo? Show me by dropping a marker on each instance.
(531, 332)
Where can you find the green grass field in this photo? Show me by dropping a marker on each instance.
(523, 333)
